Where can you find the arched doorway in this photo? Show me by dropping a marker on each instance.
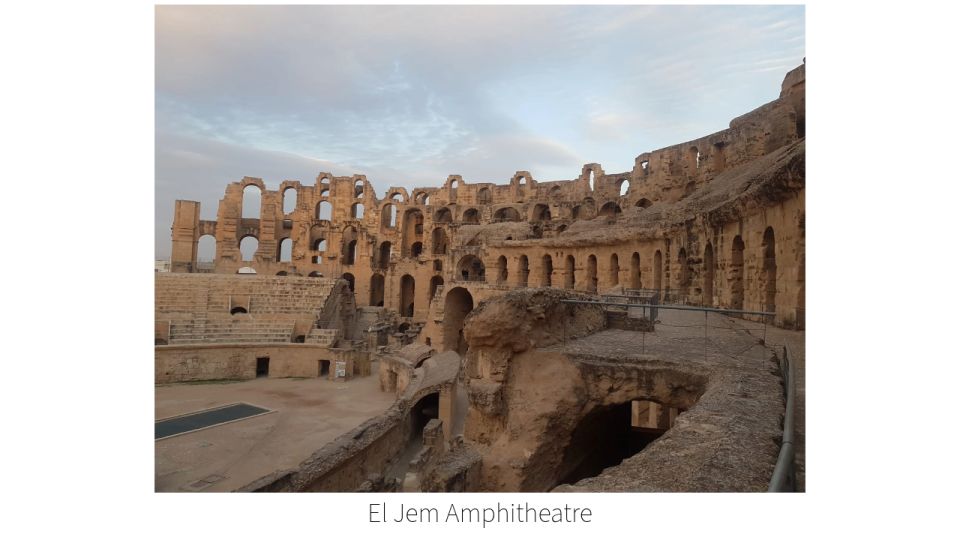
(546, 279)
(501, 269)
(708, 275)
(657, 270)
(735, 277)
(569, 273)
(524, 270)
(635, 282)
(457, 304)
(470, 268)
(407, 288)
(592, 274)
(769, 270)
(376, 290)
(614, 270)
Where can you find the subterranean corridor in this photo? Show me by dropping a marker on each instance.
(610, 434)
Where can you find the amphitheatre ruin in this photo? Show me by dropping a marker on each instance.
(627, 331)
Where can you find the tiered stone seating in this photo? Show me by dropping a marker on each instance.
(323, 336)
(198, 307)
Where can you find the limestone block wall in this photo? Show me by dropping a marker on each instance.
(397, 250)
(182, 363)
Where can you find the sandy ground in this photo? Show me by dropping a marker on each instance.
(308, 414)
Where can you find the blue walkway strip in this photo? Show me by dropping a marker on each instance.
(204, 419)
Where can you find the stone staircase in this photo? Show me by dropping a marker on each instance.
(327, 337)
(236, 329)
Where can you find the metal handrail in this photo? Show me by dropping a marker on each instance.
(784, 473)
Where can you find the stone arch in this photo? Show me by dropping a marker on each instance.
(693, 156)
(484, 196)
(383, 255)
(249, 245)
(349, 246)
(376, 289)
(610, 209)
(524, 270)
(635, 281)
(541, 212)
(614, 270)
(290, 203)
(324, 210)
(407, 290)
(658, 270)
(356, 211)
(435, 283)
(412, 230)
(507, 213)
(358, 188)
(570, 272)
(470, 268)
(457, 304)
(769, 270)
(388, 216)
(683, 276)
(735, 275)
(501, 269)
(443, 215)
(643, 203)
(285, 250)
(708, 275)
(440, 242)
(592, 273)
(351, 281)
(471, 215)
(624, 187)
(207, 248)
(546, 266)
(250, 204)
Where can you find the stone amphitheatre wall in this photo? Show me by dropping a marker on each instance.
(717, 221)
(214, 326)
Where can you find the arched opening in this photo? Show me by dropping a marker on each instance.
(592, 274)
(412, 229)
(349, 245)
(435, 283)
(501, 269)
(443, 215)
(437, 265)
(416, 249)
(769, 270)
(708, 275)
(407, 288)
(590, 180)
(735, 277)
(248, 247)
(524, 270)
(521, 185)
(376, 290)
(206, 249)
(611, 209)
(614, 270)
(541, 212)
(472, 215)
(624, 187)
(470, 268)
(351, 281)
(388, 216)
(506, 214)
(546, 269)
(635, 282)
(289, 200)
(358, 188)
(319, 245)
(238, 310)
(456, 306)
(282, 273)
(314, 274)
(324, 210)
(250, 205)
(554, 192)
(325, 192)
(643, 203)
(719, 159)
(683, 276)
(397, 197)
(424, 410)
(285, 250)
(693, 154)
(609, 434)
(569, 273)
(356, 211)
(657, 270)
(439, 241)
(484, 197)
(383, 256)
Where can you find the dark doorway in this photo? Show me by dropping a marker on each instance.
(263, 367)
(324, 368)
(425, 410)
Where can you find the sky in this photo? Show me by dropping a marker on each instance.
(409, 95)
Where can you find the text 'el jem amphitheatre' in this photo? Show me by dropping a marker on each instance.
(628, 331)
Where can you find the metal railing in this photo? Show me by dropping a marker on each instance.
(784, 477)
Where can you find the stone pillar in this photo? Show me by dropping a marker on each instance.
(185, 234)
